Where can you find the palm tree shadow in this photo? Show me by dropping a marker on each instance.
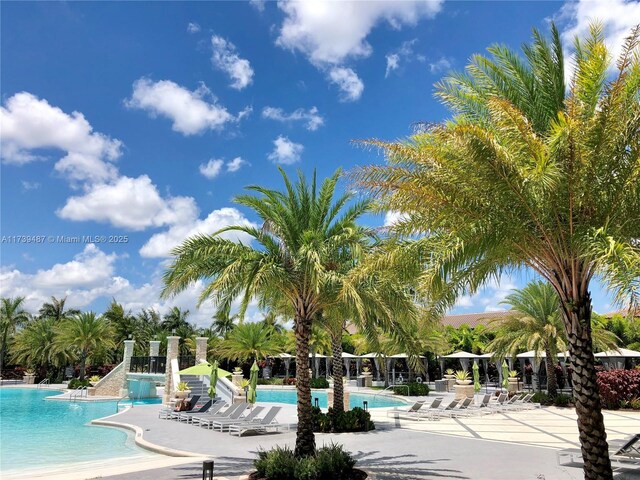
(403, 467)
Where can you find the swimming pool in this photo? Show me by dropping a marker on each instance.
(355, 400)
(38, 433)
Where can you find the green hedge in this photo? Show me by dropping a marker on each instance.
(354, 420)
(415, 389)
(329, 463)
(75, 383)
(319, 382)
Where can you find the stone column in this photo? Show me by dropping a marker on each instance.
(126, 360)
(172, 354)
(154, 348)
(201, 349)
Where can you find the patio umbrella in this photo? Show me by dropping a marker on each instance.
(476, 377)
(505, 374)
(253, 384)
(203, 368)
(213, 379)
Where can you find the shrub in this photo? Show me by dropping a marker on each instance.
(633, 404)
(329, 463)
(542, 398)
(415, 389)
(271, 381)
(562, 400)
(617, 386)
(355, 420)
(75, 383)
(319, 382)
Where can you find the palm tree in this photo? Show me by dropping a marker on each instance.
(223, 322)
(530, 174)
(85, 336)
(34, 345)
(287, 263)
(249, 341)
(175, 318)
(124, 324)
(535, 324)
(56, 309)
(469, 339)
(12, 315)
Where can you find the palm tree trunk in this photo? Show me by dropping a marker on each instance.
(3, 347)
(338, 386)
(552, 383)
(575, 308)
(305, 439)
(83, 363)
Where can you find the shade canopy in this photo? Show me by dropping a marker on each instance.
(285, 355)
(349, 355)
(462, 354)
(620, 352)
(317, 355)
(203, 368)
(486, 355)
(535, 354)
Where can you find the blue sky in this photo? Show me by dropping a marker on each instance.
(136, 123)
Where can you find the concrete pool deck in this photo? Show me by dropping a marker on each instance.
(509, 446)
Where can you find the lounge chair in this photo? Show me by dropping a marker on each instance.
(483, 408)
(165, 413)
(463, 409)
(428, 411)
(223, 423)
(266, 423)
(623, 455)
(206, 420)
(212, 410)
(444, 410)
(522, 403)
(499, 402)
(412, 409)
(186, 416)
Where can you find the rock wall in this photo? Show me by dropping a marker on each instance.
(111, 383)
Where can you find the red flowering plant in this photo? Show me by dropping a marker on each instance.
(617, 386)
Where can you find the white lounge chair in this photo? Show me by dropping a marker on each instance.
(400, 411)
(235, 410)
(264, 425)
(222, 423)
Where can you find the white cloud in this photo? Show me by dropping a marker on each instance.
(132, 203)
(393, 62)
(235, 164)
(489, 297)
(285, 151)
(212, 168)
(189, 111)
(161, 244)
(30, 124)
(26, 186)
(257, 4)
(311, 117)
(403, 54)
(350, 85)
(193, 27)
(392, 217)
(441, 65)
(617, 16)
(332, 32)
(226, 59)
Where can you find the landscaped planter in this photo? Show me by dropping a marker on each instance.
(464, 391)
(357, 475)
(30, 379)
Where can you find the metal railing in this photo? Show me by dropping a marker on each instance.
(118, 403)
(148, 365)
(44, 382)
(392, 386)
(186, 361)
(78, 392)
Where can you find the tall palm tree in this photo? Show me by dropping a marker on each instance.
(34, 345)
(287, 263)
(530, 174)
(56, 309)
(223, 322)
(175, 318)
(249, 341)
(124, 325)
(85, 336)
(12, 316)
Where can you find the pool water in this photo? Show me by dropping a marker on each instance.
(355, 399)
(35, 432)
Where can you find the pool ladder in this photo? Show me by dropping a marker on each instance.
(78, 392)
(44, 382)
(392, 386)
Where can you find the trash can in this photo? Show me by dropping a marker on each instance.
(441, 385)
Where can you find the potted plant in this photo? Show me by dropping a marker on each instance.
(449, 373)
(513, 376)
(462, 377)
(94, 379)
(182, 390)
(29, 376)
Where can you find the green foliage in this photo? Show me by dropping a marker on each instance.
(562, 400)
(249, 341)
(319, 382)
(271, 381)
(75, 383)
(354, 420)
(415, 389)
(542, 398)
(328, 463)
(633, 404)
(462, 375)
